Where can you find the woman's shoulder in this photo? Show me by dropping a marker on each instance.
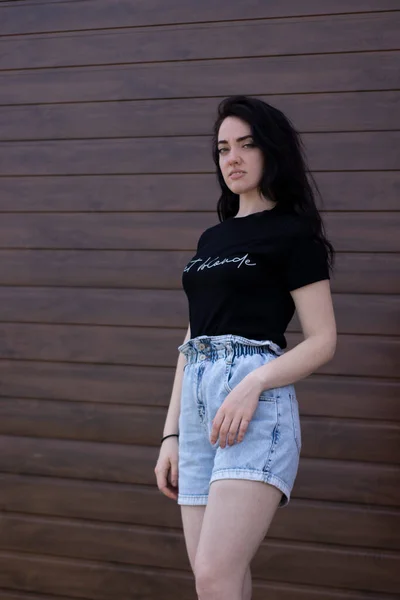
(298, 225)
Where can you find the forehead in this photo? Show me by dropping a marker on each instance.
(232, 128)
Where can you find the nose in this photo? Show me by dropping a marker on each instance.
(234, 157)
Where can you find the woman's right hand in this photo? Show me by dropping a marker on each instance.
(166, 469)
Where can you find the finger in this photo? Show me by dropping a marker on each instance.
(217, 422)
(233, 430)
(244, 424)
(165, 485)
(174, 474)
(169, 493)
(161, 478)
(223, 432)
(162, 474)
(162, 471)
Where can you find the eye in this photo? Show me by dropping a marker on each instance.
(249, 145)
(221, 150)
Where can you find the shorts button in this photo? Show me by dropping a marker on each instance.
(202, 357)
(201, 346)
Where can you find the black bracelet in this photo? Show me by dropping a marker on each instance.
(170, 435)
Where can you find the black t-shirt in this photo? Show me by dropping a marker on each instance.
(240, 278)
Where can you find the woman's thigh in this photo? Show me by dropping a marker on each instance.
(236, 520)
(192, 520)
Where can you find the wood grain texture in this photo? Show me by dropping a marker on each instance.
(372, 314)
(351, 111)
(318, 479)
(326, 152)
(355, 272)
(9, 595)
(340, 190)
(318, 395)
(106, 182)
(66, 16)
(271, 37)
(304, 520)
(330, 438)
(290, 562)
(349, 231)
(350, 72)
(91, 579)
(374, 356)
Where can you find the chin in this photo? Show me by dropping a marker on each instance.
(240, 187)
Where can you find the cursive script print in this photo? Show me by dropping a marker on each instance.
(210, 262)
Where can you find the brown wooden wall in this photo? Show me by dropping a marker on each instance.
(106, 182)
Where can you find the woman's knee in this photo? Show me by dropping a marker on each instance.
(217, 580)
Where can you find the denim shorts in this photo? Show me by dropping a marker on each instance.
(270, 449)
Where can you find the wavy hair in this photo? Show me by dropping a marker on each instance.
(286, 178)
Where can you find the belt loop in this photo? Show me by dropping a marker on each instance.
(229, 353)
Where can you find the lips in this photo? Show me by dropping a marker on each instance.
(236, 174)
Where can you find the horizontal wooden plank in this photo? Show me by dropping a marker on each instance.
(316, 565)
(347, 151)
(363, 273)
(336, 396)
(318, 479)
(275, 75)
(10, 595)
(114, 193)
(366, 314)
(353, 273)
(318, 395)
(342, 439)
(105, 581)
(88, 230)
(82, 421)
(336, 523)
(102, 306)
(351, 440)
(373, 356)
(344, 481)
(349, 397)
(100, 383)
(303, 520)
(289, 562)
(351, 111)
(81, 460)
(362, 225)
(66, 16)
(349, 232)
(342, 33)
(380, 309)
(92, 580)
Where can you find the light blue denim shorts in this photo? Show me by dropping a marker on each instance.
(270, 449)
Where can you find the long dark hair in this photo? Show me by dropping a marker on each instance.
(287, 179)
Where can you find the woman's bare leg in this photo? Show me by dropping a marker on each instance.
(192, 519)
(235, 522)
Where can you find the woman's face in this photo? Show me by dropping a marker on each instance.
(241, 162)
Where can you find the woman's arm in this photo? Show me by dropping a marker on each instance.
(314, 305)
(172, 419)
(315, 311)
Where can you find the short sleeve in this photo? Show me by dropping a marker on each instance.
(306, 262)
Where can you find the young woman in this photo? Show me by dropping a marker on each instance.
(232, 434)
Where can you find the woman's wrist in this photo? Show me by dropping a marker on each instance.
(169, 435)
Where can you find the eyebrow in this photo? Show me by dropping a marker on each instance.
(240, 139)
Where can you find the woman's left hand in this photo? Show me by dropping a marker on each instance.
(236, 411)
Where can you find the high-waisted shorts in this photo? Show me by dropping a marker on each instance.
(270, 449)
